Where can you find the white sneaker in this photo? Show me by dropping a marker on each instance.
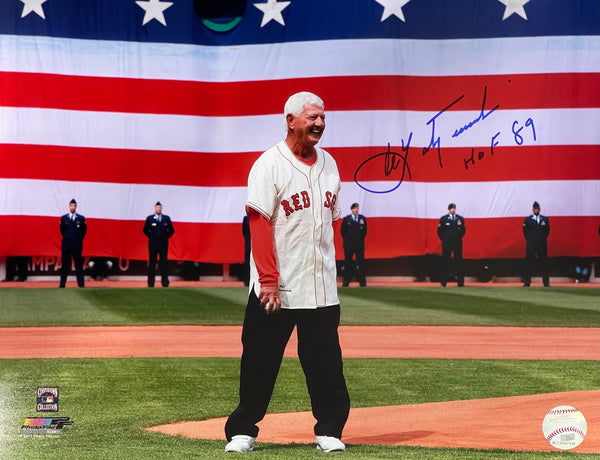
(329, 444)
(240, 443)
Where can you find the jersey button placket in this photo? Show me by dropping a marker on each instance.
(317, 220)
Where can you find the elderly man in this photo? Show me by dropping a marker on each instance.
(292, 204)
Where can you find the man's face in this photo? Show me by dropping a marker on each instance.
(536, 211)
(158, 209)
(72, 208)
(452, 210)
(308, 127)
(355, 210)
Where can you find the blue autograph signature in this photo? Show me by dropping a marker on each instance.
(394, 161)
(391, 162)
(435, 141)
(517, 137)
(482, 116)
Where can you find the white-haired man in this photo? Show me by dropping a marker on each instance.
(292, 203)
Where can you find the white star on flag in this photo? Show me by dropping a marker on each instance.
(392, 7)
(35, 6)
(514, 6)
(154, 10)
(272, 11)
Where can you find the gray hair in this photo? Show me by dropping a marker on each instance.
(295, 104)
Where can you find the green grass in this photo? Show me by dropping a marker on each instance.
(105, 306)
(111, 401)
(376, 306)
(477, 306)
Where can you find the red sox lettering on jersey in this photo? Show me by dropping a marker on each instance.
(286, 191)
(330, 199)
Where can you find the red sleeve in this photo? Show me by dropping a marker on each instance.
(262, 248)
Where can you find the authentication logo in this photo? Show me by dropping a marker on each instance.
(44, 426)
(47, 399)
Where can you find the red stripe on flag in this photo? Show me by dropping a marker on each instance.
(387, 238)
(123, 239)
(126, 166)
(485, 238)
(377, 92)
(580, 162)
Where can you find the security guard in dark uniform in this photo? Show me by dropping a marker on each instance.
(73, 229)
(451, 230)
(536, 229)
(354, 231)
(158, 228)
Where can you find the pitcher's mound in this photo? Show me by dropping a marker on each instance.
(513, 423)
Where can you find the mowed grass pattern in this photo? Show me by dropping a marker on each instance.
(473, 306)
(112, 400)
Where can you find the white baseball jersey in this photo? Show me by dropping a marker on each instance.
(301, 202)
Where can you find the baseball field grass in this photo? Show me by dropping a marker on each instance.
(111, 401)
(473, 306)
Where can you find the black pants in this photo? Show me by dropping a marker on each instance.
(351, 266)
(533, 265)
(447, 250)
(67, 255)
(264, 338)
(160, 251)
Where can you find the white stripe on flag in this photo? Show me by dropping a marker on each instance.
(226, 204)
(258, 133)
(475, 199)
(499, 56)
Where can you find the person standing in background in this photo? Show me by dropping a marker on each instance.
(17, 266)
(73, 229)
(536, 229)
(354, 231)
(158, 228)
(451, 230)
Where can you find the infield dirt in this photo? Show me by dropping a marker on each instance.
(501, 423)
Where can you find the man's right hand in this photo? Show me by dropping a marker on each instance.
(269, 297)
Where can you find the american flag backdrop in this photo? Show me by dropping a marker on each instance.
(491, 104)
